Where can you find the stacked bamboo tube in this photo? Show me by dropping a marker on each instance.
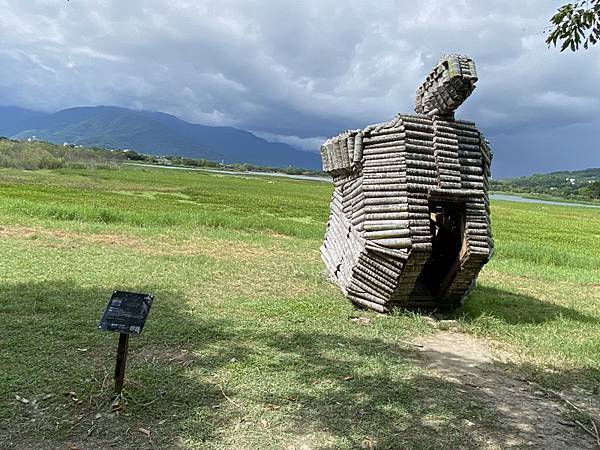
(447, 86)
(386, 176)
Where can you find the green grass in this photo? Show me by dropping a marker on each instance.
(540, 295)
(44, 155)
(247, 345)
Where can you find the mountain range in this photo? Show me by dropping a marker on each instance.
(154, 133)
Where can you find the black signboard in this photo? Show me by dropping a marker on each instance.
(126, 312)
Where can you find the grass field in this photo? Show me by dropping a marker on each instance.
(247, 345)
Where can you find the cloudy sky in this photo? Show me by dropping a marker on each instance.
(298, 71)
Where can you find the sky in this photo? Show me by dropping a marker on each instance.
(300, 71)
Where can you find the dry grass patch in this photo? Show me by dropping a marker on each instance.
(161, 245)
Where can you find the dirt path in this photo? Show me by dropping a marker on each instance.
(528, 416)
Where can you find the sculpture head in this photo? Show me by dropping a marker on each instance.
(447, 86)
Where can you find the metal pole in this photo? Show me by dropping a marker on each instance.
(121, 361)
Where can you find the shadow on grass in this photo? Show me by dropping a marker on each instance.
(369, 406)
(513, 308)
(197, 381)
(55, 358)
(392, 409)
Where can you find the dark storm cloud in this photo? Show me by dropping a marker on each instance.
(299, 70)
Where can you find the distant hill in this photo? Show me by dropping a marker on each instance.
(13, 117)
(153, 133)
(580, 184)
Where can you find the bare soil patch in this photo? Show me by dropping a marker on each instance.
(528, 415)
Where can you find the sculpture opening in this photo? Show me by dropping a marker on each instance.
(447, 230)
(409, 222)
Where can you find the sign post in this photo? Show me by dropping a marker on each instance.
(126, 314)
(121, 362)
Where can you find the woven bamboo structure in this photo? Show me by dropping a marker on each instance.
(409, 223)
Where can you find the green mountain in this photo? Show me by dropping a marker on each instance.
(12, 118)
(580, 184)
(154, 133)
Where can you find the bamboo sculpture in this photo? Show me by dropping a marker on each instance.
(409, 222)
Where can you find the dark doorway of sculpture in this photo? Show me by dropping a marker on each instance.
(447, 222)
